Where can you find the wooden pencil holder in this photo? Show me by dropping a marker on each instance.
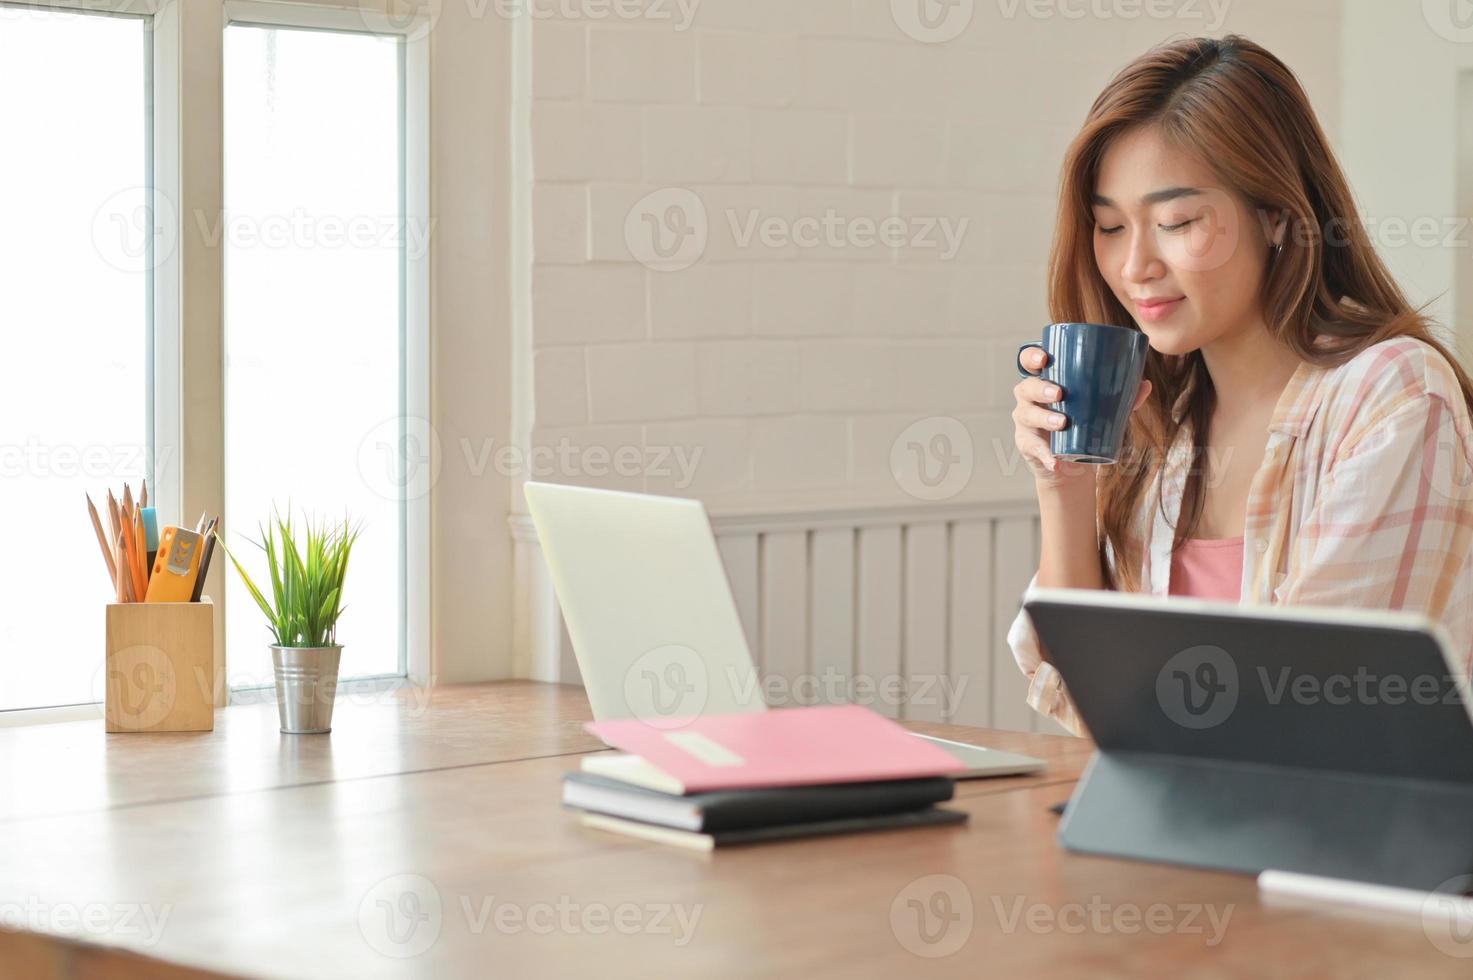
(160, 667)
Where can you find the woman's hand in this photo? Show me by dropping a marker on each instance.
(1033, 420)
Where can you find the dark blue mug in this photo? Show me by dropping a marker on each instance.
(1099, 367)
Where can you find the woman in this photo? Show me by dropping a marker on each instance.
(1300, 435)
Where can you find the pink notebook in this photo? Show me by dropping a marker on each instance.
(783, 747)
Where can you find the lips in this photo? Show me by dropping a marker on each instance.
(1157, 307)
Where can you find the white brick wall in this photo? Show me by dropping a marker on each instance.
(793, 360)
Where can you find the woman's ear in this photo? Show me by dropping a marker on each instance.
(1275, 226)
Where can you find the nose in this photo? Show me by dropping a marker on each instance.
(1142, 262)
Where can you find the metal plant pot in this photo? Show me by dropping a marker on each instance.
(306, 683)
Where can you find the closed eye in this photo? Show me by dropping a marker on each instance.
(1170, 228)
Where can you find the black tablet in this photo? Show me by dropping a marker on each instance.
(1326, 741)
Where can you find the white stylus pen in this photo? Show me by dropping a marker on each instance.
(1360, 894)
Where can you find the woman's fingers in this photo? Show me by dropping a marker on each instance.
(1033, 360)
(1031, 390)
(1142, 395)
(1039, 417)
(1037, 449)
(1033, 420)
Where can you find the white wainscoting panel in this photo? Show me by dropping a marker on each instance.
(905, 609)
(878, 637)
(831, 611)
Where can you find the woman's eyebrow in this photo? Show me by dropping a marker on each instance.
(1155, 197)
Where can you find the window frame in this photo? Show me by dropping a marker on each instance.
(147, 12)
(414, 277)
(185, 293)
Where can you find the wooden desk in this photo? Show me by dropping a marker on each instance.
(331, 862)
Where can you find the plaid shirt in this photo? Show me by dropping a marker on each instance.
(1364, 500)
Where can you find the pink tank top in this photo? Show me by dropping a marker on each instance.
(1208, 568)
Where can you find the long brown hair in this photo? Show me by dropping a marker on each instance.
(1241, 111)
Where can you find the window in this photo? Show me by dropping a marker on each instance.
(75, 265)
(315, 243)
(262, 257)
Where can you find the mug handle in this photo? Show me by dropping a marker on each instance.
(1022, 371)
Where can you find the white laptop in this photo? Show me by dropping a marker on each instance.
(651, 615)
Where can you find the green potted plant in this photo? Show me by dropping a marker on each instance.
(307, 569)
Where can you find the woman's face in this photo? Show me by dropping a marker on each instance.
(1181, 253)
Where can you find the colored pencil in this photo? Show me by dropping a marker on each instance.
(124, 592)
(140, 547)
(107, 555)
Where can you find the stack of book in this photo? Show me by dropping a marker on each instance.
(736, 779)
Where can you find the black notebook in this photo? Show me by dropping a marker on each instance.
(732, 810)
(926, 817)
